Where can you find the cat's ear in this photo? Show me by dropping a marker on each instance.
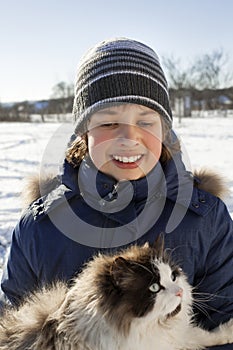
(159, 246)
(119, 269)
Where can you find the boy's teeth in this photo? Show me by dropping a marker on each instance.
(124, 159)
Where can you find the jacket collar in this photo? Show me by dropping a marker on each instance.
(173, 182)
(97, 185)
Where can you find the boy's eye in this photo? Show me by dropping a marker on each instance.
(145, 123)
(108, 125)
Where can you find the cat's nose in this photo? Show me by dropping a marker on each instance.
(179, 293)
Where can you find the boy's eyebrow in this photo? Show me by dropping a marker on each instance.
(148, 112)
(106, 111)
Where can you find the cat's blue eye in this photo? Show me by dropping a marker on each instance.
(155, 288)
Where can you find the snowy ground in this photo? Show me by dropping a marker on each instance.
(208, 142)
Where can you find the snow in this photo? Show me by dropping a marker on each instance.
(208, 143)
(25, 146)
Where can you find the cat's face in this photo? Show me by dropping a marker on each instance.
(174, 293)
(147, 285)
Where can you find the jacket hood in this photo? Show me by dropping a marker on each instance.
(178, 182)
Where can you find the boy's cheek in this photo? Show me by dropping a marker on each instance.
(97, 149)
(153, 137)
(94, 139)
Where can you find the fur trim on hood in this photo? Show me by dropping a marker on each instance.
(204, 179)
(37, 186)
(210, 181)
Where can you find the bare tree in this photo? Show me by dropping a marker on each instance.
(178, 76)
(210, 71)
(201, 78)
(61, 97)
(63, 90)
(207, 71)
(180, 82)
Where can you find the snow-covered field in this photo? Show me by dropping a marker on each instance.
(208, 142)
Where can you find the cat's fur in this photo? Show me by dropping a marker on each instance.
(113, 304)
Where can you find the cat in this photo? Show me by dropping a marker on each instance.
(135, 299)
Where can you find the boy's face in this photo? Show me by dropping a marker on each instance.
(125, 141)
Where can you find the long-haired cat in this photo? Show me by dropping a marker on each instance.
(134, 300)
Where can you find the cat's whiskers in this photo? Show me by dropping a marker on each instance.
(201, 281)
(169, 253)
(202, 308)
(211, 296)
(205, 297)
(200, 304)
(196, 303)
(201, 299)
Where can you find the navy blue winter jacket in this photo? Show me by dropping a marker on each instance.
(88, 211)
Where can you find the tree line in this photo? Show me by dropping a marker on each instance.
(59, 104)
(206, 82)
(207, 71)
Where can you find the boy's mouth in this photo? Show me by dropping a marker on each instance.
(124, 159)
(127, 162)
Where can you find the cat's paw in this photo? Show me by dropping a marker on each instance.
(227, 331)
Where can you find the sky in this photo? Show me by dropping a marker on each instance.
(42, 41)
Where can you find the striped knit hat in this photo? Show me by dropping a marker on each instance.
(119, 71)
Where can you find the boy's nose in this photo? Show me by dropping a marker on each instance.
(128, 135)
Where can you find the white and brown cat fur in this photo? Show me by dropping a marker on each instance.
(134, 300)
